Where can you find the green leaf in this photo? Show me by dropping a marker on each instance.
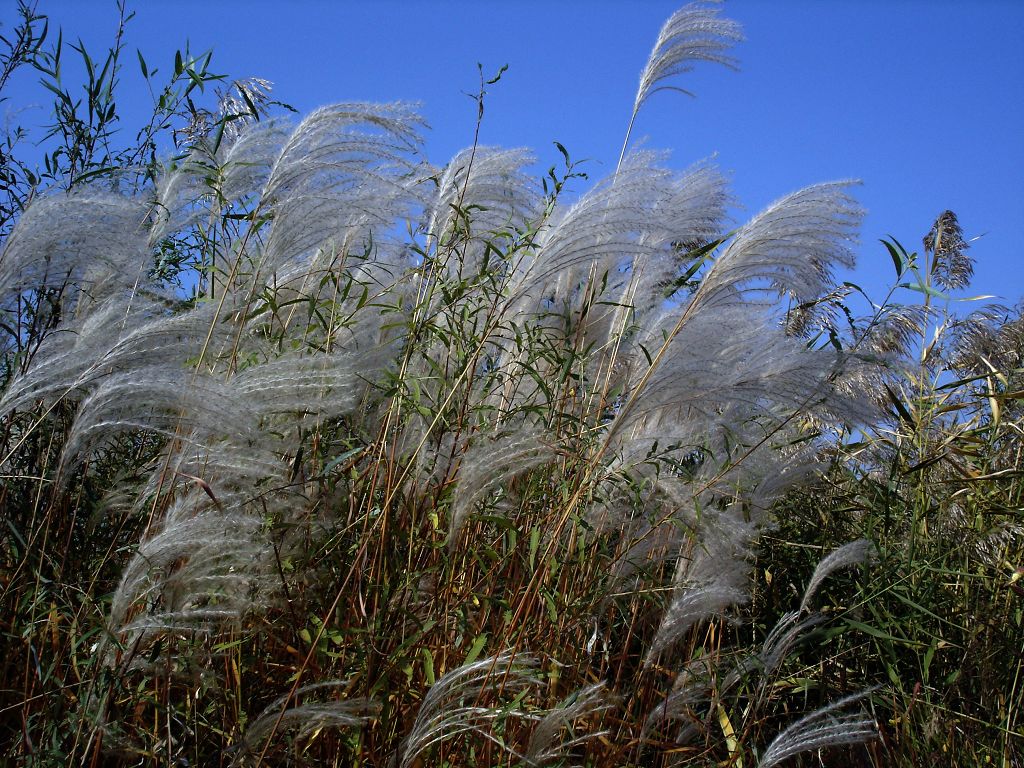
(476, 648)
(497, 77)
(927, 663)
(549, 601)
(927, 290)
(142, 64)
(897, 253)
(333, 463)
(565, 153)
(900, 407)
(428, 665)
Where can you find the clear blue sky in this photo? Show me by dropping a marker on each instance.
(923, 101)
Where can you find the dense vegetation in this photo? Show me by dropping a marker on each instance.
(314, 453)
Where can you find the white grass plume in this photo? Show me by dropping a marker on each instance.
(714, 578)
(305, 719)
(491, 463)
(825, 727)
(792, 246)
(108, 339)
(455, 706)
(235, 172)
(691, 606)
(689, 212)
(614, 223)
(691, 34)
(783, 637)
(199, 572)
(172, 403)
(345, 174)
(325, 386)
(87, 240)
(495, 193)
(855, 553)
(554, 737)
(692, 686)
(235, 473)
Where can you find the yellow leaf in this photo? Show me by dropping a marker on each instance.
(730, 738)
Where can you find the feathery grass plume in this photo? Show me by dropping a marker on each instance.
(345, 174)
(693, 33)
(110, 338)
(783, 636)
(810, 319)
(893, 331)
(63, 360)
(690, 606)
(332, 364)
(790, 247)
(243, 102)
(325, 386)
(305, 719)
(228, 175)
(599, 232)
(855, 553)
(491, 462)
(711, 580)
(825, 727)
(172, 403)
(706, 677)
(602, 266)
(203, 569)
(992, 337)
(464, 701)
(648, 544)
(951, 268)
(235, 473)
(687, 214)
(695, 208)
(693, 685)
(653, 528)
(554, 737)
(88, 241)
(748, 370)
(486, 188)
(244, 164)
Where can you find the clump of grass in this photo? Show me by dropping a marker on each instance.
(490, 494)
(936, 485)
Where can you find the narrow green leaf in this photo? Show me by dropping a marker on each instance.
(927, 290)
(333, 463)
(565, 153)
(900, 407)
(428, 665)
(497, 77)
(898, 255)
(476, 648)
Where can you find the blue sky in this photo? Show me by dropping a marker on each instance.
(922, 101)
